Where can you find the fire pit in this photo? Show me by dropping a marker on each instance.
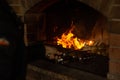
(69, 46)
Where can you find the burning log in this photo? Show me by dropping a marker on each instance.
(51, 52)
(64, 55)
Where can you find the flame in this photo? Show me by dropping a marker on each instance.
(69, 40)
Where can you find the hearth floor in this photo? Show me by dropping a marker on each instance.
(45, 70)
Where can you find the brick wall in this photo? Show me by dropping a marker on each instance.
(17, 6)
(21, 6)
(102, 6)
(114, 50)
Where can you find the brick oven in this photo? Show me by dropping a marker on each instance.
(85, 28)
(37, 32)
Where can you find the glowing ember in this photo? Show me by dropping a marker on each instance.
(90, 43)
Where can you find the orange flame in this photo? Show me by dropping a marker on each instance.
(69, 40)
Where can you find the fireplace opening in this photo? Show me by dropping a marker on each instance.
(73, 34)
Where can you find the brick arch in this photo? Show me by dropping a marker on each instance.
(103, 6)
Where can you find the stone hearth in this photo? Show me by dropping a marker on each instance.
(44, 70)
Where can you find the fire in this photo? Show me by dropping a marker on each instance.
(90, 43)
(69, 40)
